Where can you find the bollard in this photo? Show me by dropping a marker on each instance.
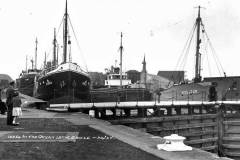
(174, 142)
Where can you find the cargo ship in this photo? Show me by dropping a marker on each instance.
(118, 86)
(25, 82)
(66, 82)
(203, 89)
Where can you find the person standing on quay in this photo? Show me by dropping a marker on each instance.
(2, 104)
(17, 111)
(9, 94)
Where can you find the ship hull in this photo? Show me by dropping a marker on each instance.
(227, 88)
(120, 95)
(25, 84)
(63, 87)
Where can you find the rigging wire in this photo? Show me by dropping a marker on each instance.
(206, 51)
(217, 61)
(184, 53)
(60, 25)
(77, 42)
(50, 48)
(188, 49)
(184, 61)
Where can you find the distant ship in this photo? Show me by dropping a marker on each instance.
(25, 82)
(64, 83)
(206, 89)
(114, 78)
(117, 87)
(4, 81)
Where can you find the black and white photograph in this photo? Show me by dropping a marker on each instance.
(119, 80)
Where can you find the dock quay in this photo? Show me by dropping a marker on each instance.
(90, 138)
(210, 126)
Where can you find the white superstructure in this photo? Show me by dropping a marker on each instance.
(114, 79)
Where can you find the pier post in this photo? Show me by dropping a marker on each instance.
(178, 110)
(201, 109)
(158, 111)
(127, 112)
(169, 111)
(103, 113)
(142, 112)
(193, 109)
(189, 109)
(96, 113)
(220, 127)
(114, 112)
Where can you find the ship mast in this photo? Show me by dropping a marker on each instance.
(26, 64)
(45, 61)
(36, 54)
(57, 54)
(65, 32)
(32, 63)
(198, 54)
(144, 71)
(54, 49)
(121, 50)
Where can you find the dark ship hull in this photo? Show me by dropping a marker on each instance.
(64, 83)
(63, 87)
(120, 95)
(227, 88)
(25, 84)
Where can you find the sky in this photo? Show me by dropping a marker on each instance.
(157, 29)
